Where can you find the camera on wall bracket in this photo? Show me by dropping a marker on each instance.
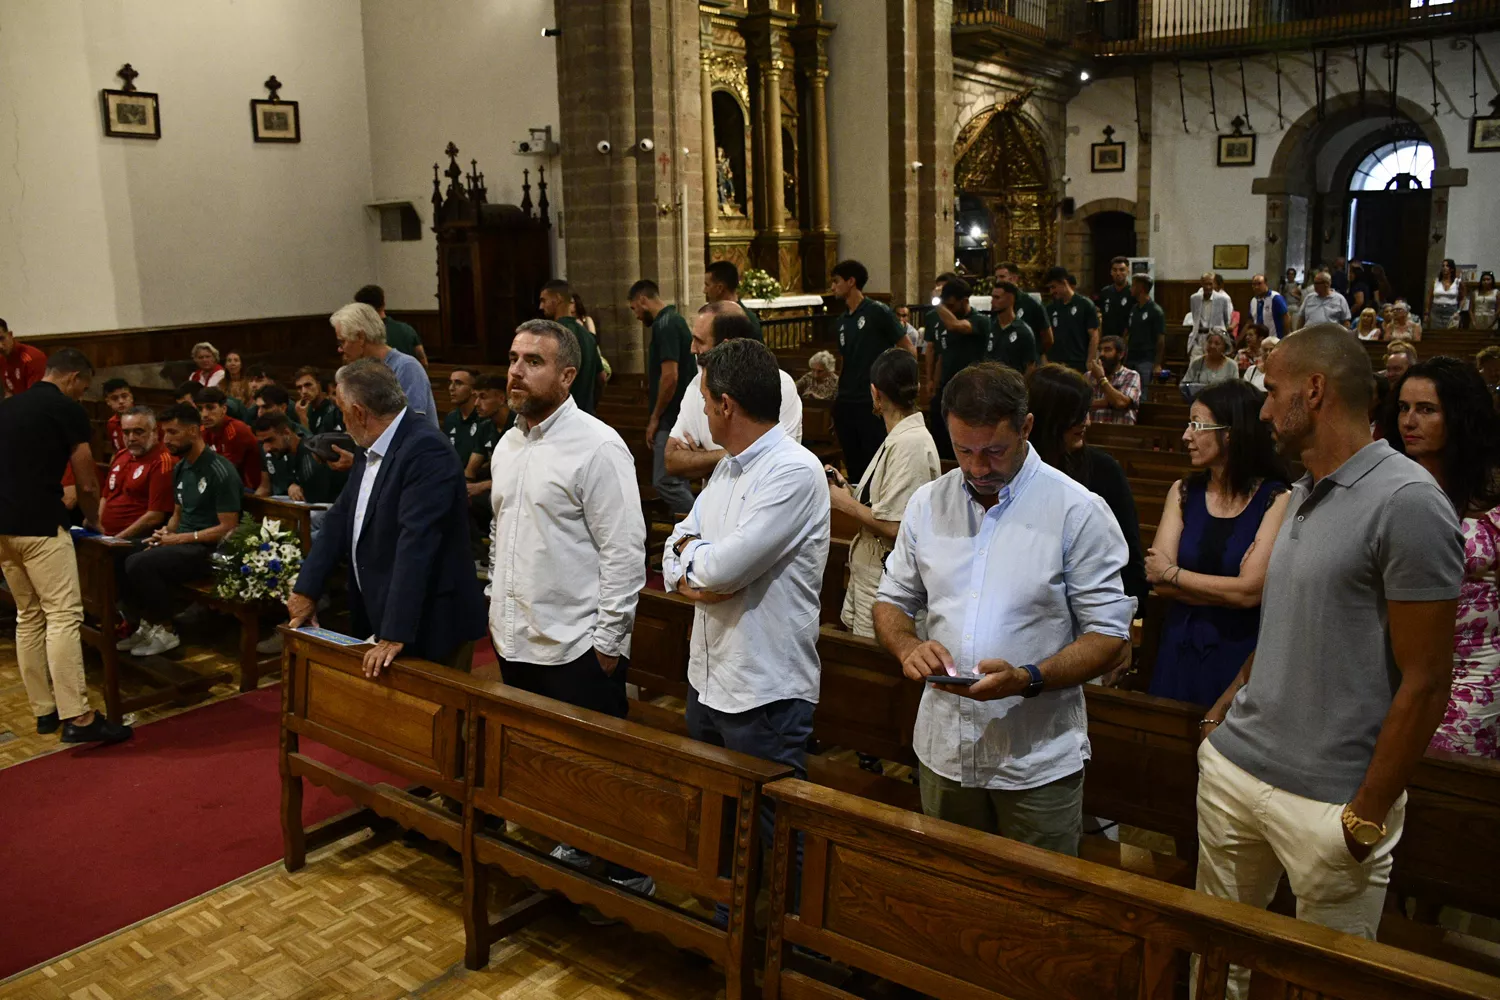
(538, 143)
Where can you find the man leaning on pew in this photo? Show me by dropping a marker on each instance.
(568, 558)
(751, 554)
(1307, 771)
(1018, 568)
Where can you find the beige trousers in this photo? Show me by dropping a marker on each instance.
(43, 578)
(1249, 832)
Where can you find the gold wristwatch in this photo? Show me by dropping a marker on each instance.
(1364, 831)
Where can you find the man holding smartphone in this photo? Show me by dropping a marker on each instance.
(1018, 568)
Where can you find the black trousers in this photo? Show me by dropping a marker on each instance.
(152, 572)
(860, 432)
(937, 426)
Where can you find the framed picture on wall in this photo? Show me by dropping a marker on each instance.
(130, 114)
(1231, 256)
(1237, 150)
(276, 121)
(1108, 157)
(1484, 135)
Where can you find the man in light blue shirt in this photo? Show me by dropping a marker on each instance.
(1018, 568)
(361, 334)
(751, 554)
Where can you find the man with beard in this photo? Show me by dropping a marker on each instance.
(1114, 299)
(314, 409)
(1117, 389)
(1018, 568)
(1305, 769)
(402, 525)
(961, 336)
(206, 509)
(568, 558)
(138, 490)
(556, 304)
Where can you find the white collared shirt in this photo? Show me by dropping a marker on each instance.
(374, 455)
(568, 556)
(1019, 581)
(692, 417)
(761, 529)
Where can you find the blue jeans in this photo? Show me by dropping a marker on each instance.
(673, 490)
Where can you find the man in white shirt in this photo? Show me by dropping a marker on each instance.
(568, 550)
(751, 554)
(691, 450)
(1323, 304)
(1208, 307)
(1018, 568)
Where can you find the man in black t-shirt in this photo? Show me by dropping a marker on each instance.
(960, 335)
(43, 431)
(1075, 323)
(670, 366)
(1011, 341)
(1027, 307)
(865, 331)
(1114, 300)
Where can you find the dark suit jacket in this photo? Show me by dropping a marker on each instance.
(416, 583)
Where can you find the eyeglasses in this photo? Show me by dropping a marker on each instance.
(1196, 426)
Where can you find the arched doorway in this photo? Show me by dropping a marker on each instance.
(1390, 199)
(1308, 187)
(1005, 195)
(1111, 235)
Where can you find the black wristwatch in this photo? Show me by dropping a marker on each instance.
(1035, 687)
(682, 543)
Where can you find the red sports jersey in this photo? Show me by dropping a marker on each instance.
(134, 486)
(23, 367)
(115, 434)
(236, 441)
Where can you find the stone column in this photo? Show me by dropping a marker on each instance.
(710, 160)
(819, 241)
(902, 115)
(935, 133)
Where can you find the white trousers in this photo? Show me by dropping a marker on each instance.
(1249, 832)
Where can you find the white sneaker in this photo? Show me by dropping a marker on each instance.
(572, 856)
(161, 641)
(270, 645)
(134, 639)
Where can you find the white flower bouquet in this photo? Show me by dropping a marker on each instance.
(259, 562)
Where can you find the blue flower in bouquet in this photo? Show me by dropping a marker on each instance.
(274, 565)
(244, 570)
(265, 546)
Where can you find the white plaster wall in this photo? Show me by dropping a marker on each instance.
(477, 73)
(858, 136)
(203, 224)
(1101, 102)
(1197, 204)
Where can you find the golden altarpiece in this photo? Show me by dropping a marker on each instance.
(765, 73)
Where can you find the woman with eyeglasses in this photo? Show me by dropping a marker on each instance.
(1213, 544)
(1443, 420)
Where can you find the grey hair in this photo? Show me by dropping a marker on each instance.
(369, 383)
(1324, 275)
(569, 354)
(141, 411)
(204, 345)
(824, 358)
(723, 307)
(1219, 332)
(359, 319)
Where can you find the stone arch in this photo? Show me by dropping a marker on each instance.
(1077, 245)
(1002, 160)
(1291, 186)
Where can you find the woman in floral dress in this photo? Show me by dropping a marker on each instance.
(1444, 420)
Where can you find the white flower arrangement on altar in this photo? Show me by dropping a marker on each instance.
(258, 562)
(757, 284)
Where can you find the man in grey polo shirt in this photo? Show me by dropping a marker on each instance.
(1307, 772)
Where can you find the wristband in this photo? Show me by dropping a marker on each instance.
(1035, 687)
(1210, 722)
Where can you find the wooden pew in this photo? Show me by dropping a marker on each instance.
(683, 812)
(295, 517)
(99, 587)
(952, 912)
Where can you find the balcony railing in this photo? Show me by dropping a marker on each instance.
(1143, 27)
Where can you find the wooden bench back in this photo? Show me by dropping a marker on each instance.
(953, 912)
(295, 517)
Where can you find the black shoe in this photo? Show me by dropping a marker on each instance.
(47, 724)
(870, 762)
(101, 730)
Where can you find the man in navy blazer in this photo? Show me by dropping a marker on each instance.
(402, 525)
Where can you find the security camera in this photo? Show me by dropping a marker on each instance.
(604, 147)
(646, 145)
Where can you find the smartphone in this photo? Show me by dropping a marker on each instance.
(951, 681)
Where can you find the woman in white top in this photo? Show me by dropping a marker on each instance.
(906, 461)
(1256, 373)
(1443, 298)
(208, 371)
(1483, 303)
(1214, 366)
(1367, 326)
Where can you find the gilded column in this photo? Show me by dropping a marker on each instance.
(710, 158)
(763, 29)
(770, 104)
(818, 79)
(819, 244)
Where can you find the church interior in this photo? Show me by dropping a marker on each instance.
(281, 826)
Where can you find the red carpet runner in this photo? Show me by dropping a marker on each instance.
(94, 839)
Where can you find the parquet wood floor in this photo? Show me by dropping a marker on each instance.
(367, 919)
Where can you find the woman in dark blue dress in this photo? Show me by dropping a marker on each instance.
(1213, 544)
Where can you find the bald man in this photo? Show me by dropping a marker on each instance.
(1306, 760)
